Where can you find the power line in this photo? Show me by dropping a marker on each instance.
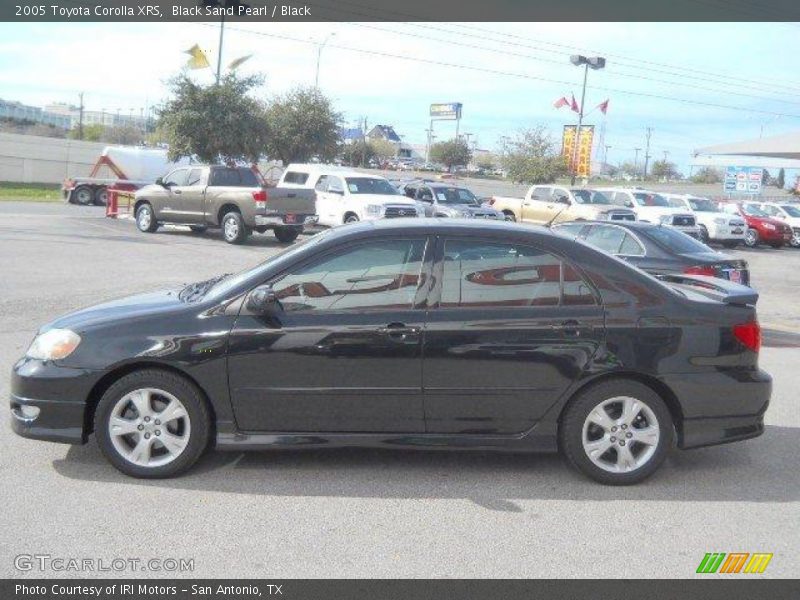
(512, 74)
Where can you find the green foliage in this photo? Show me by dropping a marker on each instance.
(780, 180)
(302, 125)
(532, 157)
(663, 169)
(707, 175)
(214, 122)
(486, 162)
(452, 153)
(358, 153)
(630, 169)
(383, 150)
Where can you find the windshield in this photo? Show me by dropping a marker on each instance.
(790, 210)
(646, 199)
(590, 197)
(675, 240)
(370, 185)
(703, 205)
(223, 285)
(453, 195)
(754, 211)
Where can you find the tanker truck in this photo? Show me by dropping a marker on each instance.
(126, 168)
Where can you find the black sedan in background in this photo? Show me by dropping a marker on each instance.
(438, 333)
(657, 249)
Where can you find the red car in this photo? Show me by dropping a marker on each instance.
(761, 228)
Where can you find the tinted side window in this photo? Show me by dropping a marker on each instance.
(295, 177)
(322, 184)
(489, 274)
(195, 177)
(383, 274)
(541, 193)
(607, 238)
(575, 291)
(630, 247)
(177, 177)
(570, 229)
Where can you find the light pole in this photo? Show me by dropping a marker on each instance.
(319, 56)
(636, 162)
(605, 157)
(596, 63)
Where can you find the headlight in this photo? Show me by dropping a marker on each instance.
(666, 220)
(769, 226)
(53, 344)
(374, 210)
(720, 221)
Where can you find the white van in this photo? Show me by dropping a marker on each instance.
(347, 196)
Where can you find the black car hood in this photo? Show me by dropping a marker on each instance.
(129, 307)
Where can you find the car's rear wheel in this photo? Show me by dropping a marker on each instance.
(101, 196)
(351, 218)
(617, 432)
(152, 424)
(286, 235)
(751, 238)
(233, 228)
(146, 219)
(704, 234)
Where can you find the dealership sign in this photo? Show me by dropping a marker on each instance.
(580, 163)
(743, 180)
(449, 110)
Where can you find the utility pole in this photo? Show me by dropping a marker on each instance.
(576, 149)
(636, 162)
(647, 152)
(666, 152)
(319, 56)
(219, 50)
(605, 156)
(80, 117)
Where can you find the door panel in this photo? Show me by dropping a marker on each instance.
(514, 327)
(535, 208)
(344, 352)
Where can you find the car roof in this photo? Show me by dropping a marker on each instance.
(635, 225)
(440, 225)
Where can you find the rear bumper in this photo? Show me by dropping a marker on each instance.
(48, 402)
(721, 407)
(280, 220)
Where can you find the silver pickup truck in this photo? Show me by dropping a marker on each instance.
(235, 199)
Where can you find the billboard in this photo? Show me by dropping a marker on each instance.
(584, 158)
(447, 111)
(743, 180)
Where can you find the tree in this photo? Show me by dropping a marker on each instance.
(486, 162)
(663, 169)
(382, 150)
(91, 133)
(532, 157)
(707, 175)
(780, 181)
(358, 153)
(302, 125)
(216, 123)
(630, 169)
(452, 153)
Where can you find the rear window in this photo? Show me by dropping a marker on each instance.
(295, 177)
(242, 177)
(675, 240)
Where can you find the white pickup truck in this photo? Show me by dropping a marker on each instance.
(345, 196)
(652, 207)
(715, 225)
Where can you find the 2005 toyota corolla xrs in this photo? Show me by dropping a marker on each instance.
(397, 333)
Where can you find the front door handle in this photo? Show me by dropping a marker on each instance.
(570, 327)
(398, 331)
(176, 191)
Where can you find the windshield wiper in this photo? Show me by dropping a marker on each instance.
(195, 291)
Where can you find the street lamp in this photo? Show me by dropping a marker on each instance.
(592, 62)
(319, 55)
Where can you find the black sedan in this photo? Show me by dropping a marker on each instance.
(407, 333)
(657, 249)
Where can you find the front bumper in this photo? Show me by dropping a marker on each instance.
(59, 393)
(720, 407)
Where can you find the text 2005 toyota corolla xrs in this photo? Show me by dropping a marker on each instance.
(422, 333)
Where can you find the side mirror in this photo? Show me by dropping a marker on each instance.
(337, 192)
(628, 203)
(160, 181)
(563, 200)
(262, 299)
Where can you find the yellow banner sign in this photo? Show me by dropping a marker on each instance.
(582, 167)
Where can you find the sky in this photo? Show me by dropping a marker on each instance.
(693, 84)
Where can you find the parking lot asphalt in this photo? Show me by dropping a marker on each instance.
(369, 513)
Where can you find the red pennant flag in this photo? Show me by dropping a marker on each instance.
(560, 102)
(603, 106)
(574, 105)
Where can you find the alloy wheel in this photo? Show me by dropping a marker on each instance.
(751, 237)
(149, 427)
(145, 218)
(621, 434)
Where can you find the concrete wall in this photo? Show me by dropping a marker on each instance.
(35, 159)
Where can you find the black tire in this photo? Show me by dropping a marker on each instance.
(576, 414)
(197, 413)
(286, 235)
(509, 216)
(751, 238)
(101, 196)
(83, 195)
(234, 231)
(731, 243)
(351, 218)
(146, 218)
(198, 228)
(704, 235)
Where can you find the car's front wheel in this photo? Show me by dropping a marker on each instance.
(616, 432)
(751, 238)
(145, 219)
(286, 235)
(152, 424)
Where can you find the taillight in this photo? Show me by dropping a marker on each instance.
(708, 270)
(749, 334)
(260, 198)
